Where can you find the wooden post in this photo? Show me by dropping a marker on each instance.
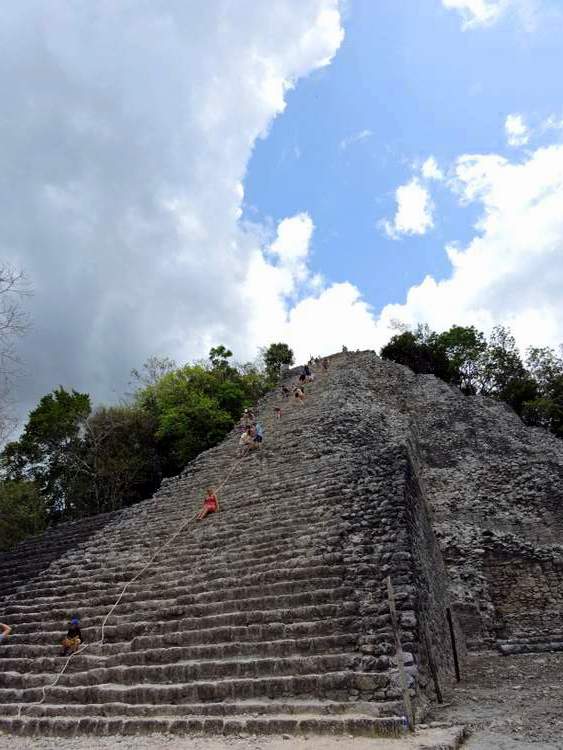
(454, 645)
(400, 661)
(432, 665)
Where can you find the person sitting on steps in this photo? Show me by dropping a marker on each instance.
(299, 395)
(73, 639)
(285, 391)
(210, 505)
(258, 434)
(246, 442)
(6, 630)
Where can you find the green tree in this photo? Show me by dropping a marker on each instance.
(545, 366)
(14, 323)
(50, 449)
(546, 408)
(419, 351)
(22, 512)
(120, 461)
(219, 357)
(275, 356)
(152, 370)
(191, 406)
(463, 348)
(502, 374)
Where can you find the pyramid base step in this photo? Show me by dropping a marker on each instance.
(356, 725)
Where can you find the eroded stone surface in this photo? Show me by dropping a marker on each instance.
(272, 615)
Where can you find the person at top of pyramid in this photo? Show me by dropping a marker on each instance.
(210, 505)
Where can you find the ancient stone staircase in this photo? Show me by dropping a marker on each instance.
(36, 553)
(268, 617)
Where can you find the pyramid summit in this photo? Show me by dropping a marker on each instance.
(273, 614)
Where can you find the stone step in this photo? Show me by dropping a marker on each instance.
(265, 561)
(280, 724)
(180, 596)
(267, 632)
(127, 631)
(215, 531)
(169, 584)
(239, 708)
(329, 685)
(185, 672)
(537, 647)
(93, 618)
(193, 545)
(171, 654)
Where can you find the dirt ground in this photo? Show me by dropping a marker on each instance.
(511, 703)
(425, 739)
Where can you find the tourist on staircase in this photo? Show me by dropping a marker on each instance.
(246, 442)
(258, 434)
(210, 505)
(299, 394)
(277, 412)
(285, 391)
(6, 630)
(73, 638)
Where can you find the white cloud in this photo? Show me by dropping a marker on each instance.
(517, 132)
(431, 171)
(478, 12)
(355, 138)
(487, 12)
(414, 211)
(126, 132)
(552, 123)
(511, 272)
(134, 127)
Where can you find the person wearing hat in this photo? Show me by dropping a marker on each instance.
(73, 637)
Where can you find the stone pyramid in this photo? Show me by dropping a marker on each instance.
(272, 615)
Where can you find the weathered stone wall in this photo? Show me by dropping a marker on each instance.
(431, 586)
(495, 488)
(388, 532)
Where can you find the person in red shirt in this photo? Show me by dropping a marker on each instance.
(210, 505)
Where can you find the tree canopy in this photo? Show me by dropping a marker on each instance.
(275, 356)
(493, 366)
(72, 460)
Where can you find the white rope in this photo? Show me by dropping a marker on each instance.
(100, 642)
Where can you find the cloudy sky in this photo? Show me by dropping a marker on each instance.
(177, 174)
